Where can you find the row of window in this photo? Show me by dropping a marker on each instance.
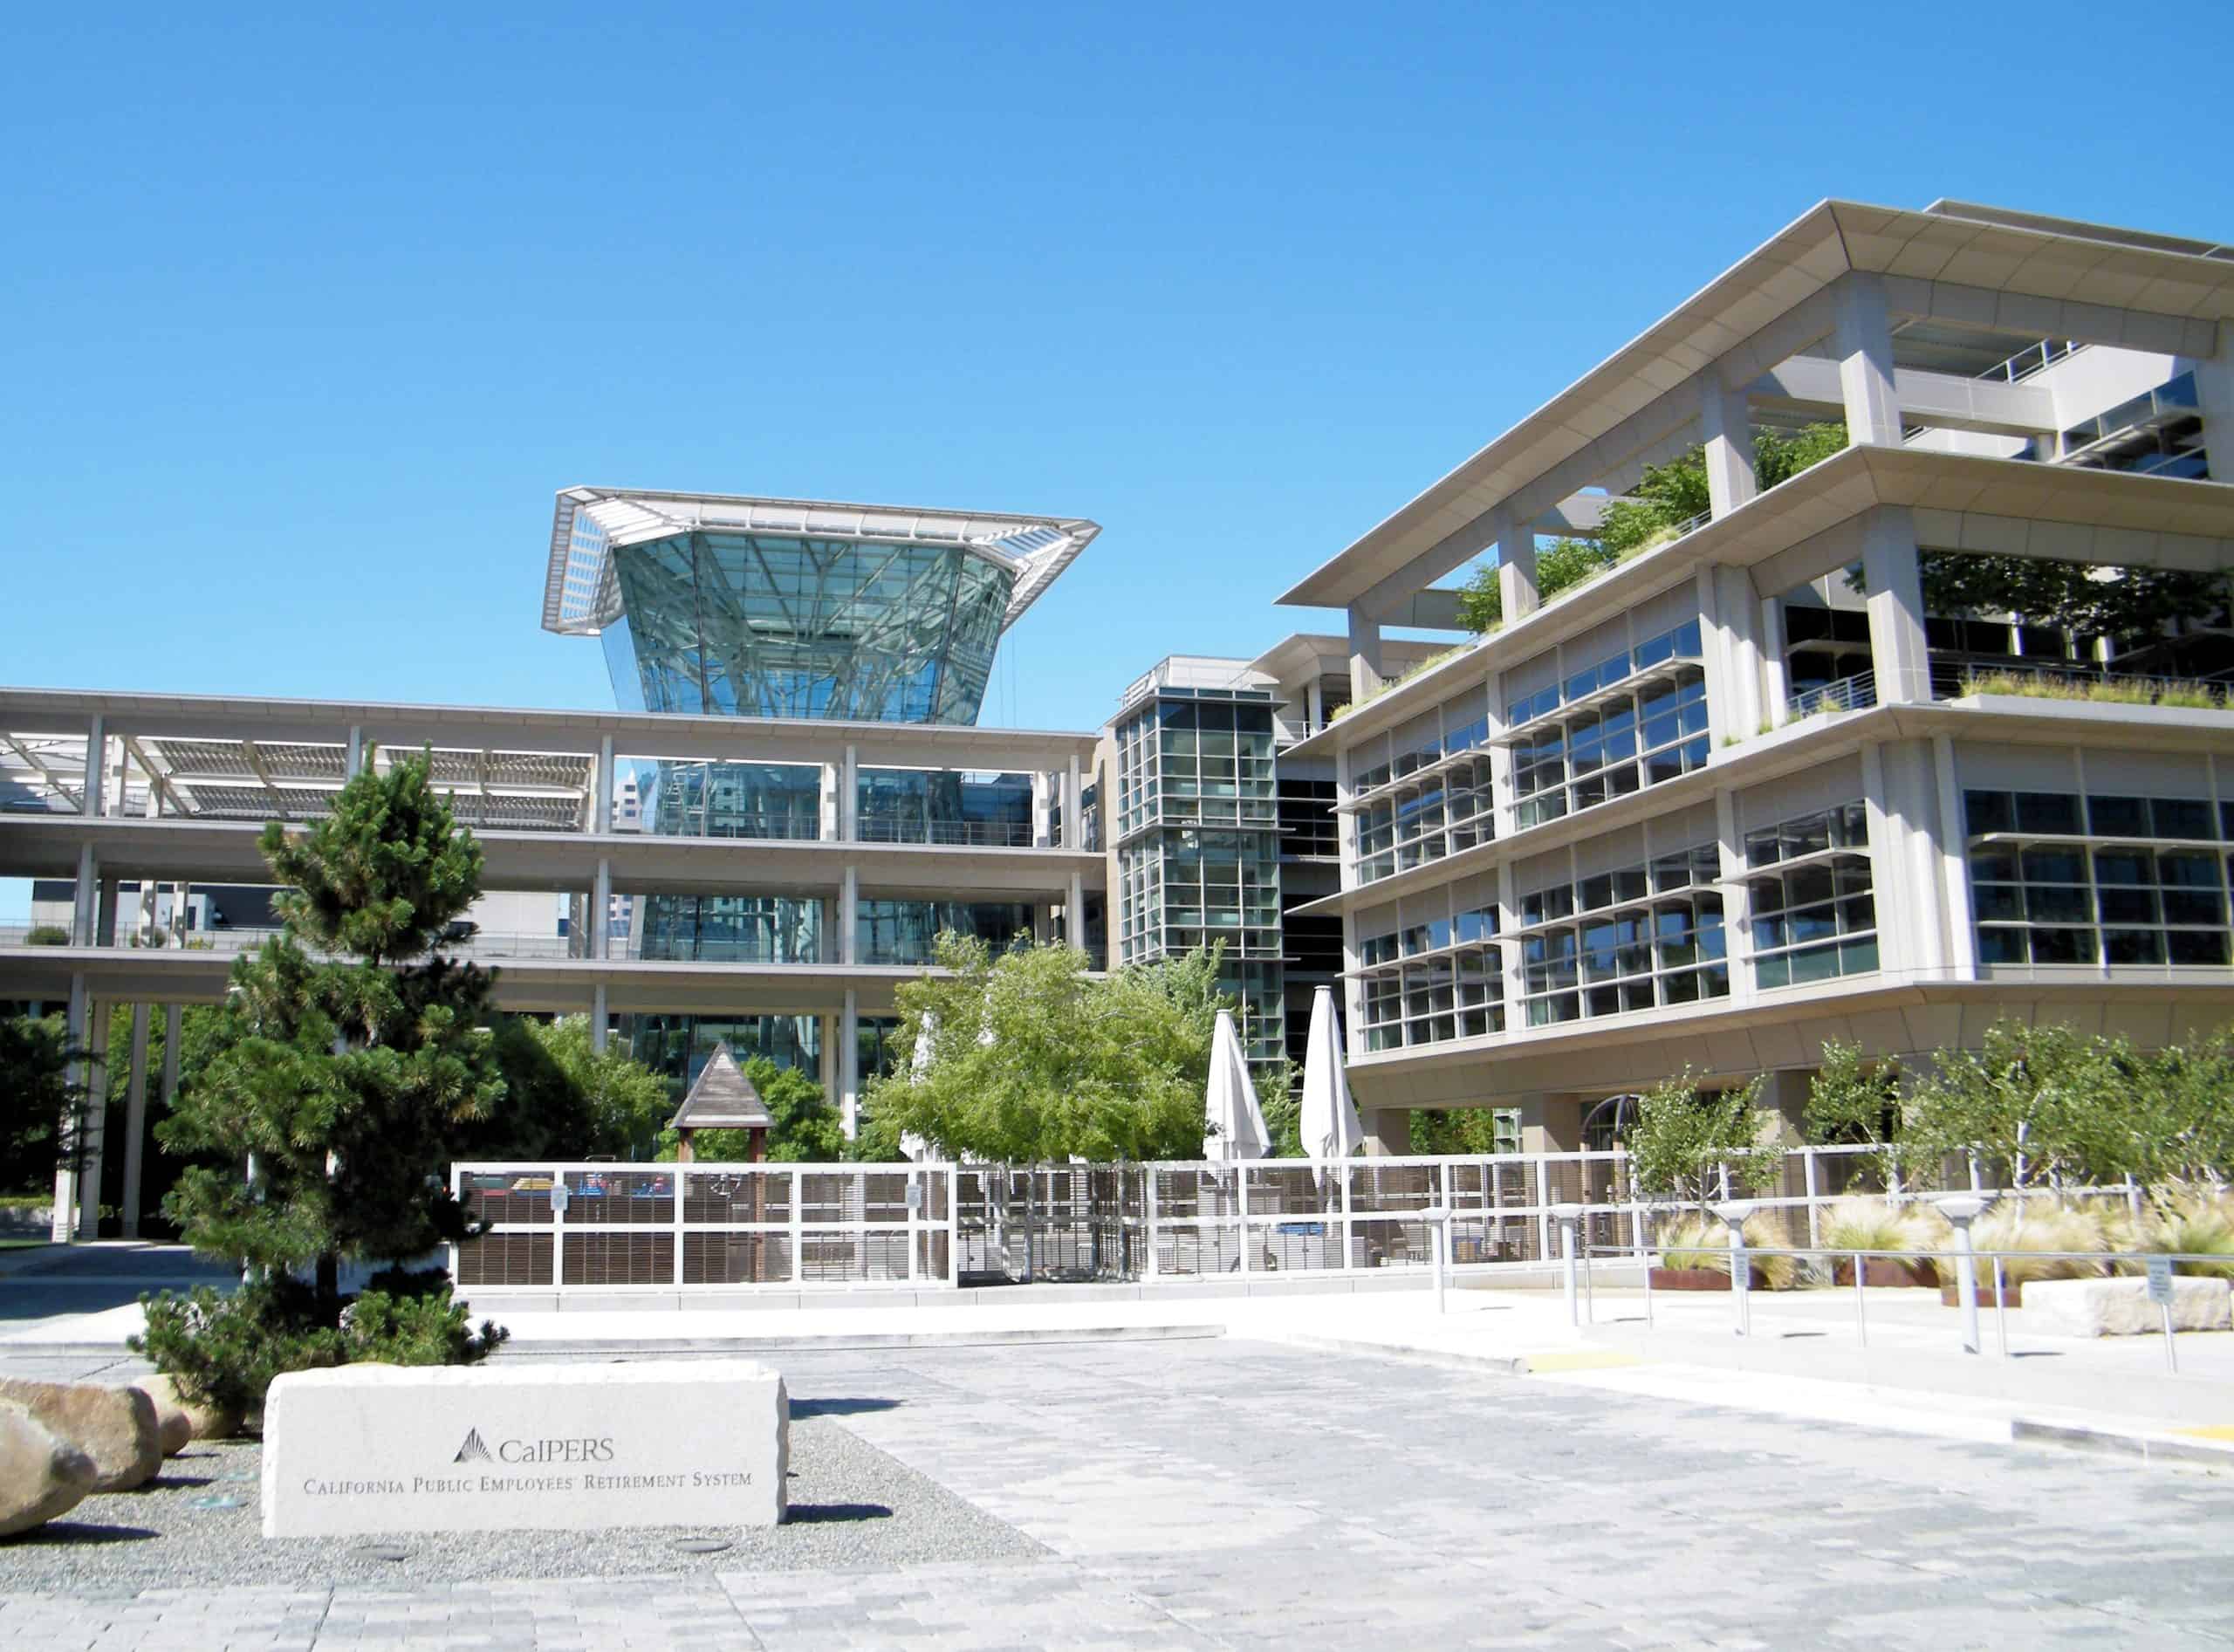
(2064, 814)
(1453, 995)
(1586, 951)
(1448, 812)
(1207, 761)
(1680, 642)
(1638, 740)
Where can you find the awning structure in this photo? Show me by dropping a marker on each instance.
(722, 1098)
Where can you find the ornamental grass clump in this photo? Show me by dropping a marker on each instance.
(2186, 1221)
(1702, 1243)
(2009, 1226)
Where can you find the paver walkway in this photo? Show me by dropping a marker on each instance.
(1216, 1493)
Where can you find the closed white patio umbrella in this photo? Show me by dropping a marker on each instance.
(1331, 1129)
(1236, 1124)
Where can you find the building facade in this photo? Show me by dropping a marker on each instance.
(1921, 736)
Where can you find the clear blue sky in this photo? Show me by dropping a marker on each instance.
(307, 318)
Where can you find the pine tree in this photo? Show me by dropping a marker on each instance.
(356, 1057)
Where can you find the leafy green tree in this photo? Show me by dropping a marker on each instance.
(1778, 457)
(1030, 1059)
(355, 1054)
(38, 1101)
(1851, 1102)
(1665, 497)
(1558, 564)
(2184, 1100)
(624, 1104)
(1680, 1140)
(2044, 1103)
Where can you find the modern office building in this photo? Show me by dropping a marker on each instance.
(1217, 833)
(1916, 738)
(816, 801)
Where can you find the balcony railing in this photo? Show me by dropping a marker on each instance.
(2031, 360)
(973, 834)
(1847, 694)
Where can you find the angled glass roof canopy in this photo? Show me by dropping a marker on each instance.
(715, 604)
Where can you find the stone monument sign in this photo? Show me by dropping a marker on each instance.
(377, 1447)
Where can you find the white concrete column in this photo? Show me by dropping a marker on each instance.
(599, 1031)
(1891, 570)
(94, 784)
(1722, 713)
(181, 910)
(1516, 587)
(1075, 911)
(1365, 673)
(600, 907)
(1509, 959)
(1907, 882)
(2215, 402)
(1953, 862)
(825, 1072)
(849, 912)
(1074, 806)
(174, 1017)
(1314, 706)
(135, 1119)
(85, 909)
(1727, 438)
(849, 796)
(602, 788)
(1863, 341)
(96, 1124)
(1737, 899)
(1388, 1131)
(105, 918)
(849, 1066)
(1737, 612)
(355, 764)
(1346, 824)
(62, 1222)
(833, 775)
(1043, 810)
(1776, 684)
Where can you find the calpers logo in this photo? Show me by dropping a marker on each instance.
(473, 1451)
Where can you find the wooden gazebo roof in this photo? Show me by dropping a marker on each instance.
(722, 1099)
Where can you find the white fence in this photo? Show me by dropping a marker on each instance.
(745, 1227)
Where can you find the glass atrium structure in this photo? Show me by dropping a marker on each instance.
(723, 606)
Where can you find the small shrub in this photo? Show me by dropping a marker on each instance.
(2184, 1222)
(2009, 1226)
(1867, 1225)
(416, 1326)
(1703, 1241)
(223, 1350)
(46, 934)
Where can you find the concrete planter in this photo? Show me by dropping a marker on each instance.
(1949, 1298)
(1878, 1270)
(1701, 1279)
(2122, 1308)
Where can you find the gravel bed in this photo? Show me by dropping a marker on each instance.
(852, 1506)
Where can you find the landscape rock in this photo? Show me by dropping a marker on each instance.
(42, 1474)
(203, 1422)
(173, 1430)
(2122, 1308)
(115, 1427)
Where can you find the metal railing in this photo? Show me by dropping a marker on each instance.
(1956, 1269)
(1241, 1220)
(476, 946)
(2031, 360)
(974, 835)
(551, 1227)
(1855, 693)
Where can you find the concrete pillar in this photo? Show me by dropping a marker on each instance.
(1899, 655)
(601, 793)
(135, 1119)
(1075, 911)
(95, 1125)
(601, 906)
(1388, 1131)
(1954, 863)
(1776, 679)
(355, 764)
(1727, 437)
(174, 1017)
(1365, 673)
(2215, 400)
(1737, 899)
(849, 796)
(827, 828)
(1516, 587)
(825, 1073)
(1550, 1124)
(62, 1225)
(598, 1018)
(84, 911)
(1901, 788)
(1074, 806)
(91, 799)
(1863, 341)
(849, 914)
(849, 1066)
(1043, 811)
(1314, 707)
(181, 912)
(105, 921)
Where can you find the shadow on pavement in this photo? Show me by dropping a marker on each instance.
(808, 1513)
(840, 1407)
(90, 1279)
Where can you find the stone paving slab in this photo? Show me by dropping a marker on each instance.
(1235, 1494)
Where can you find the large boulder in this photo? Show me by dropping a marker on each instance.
(201, 1420)
(42, 1474)
(174, 1432)
(115, 1427)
